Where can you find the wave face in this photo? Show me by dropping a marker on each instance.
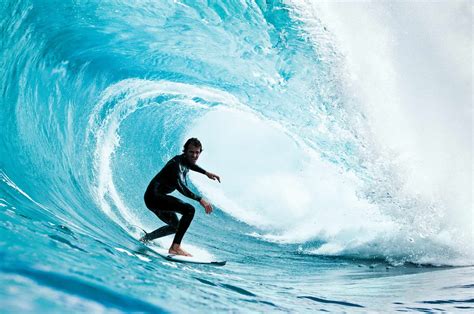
(342, 134)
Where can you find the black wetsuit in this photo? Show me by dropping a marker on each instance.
(172, 177)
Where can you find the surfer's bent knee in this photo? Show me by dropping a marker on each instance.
(190, 210)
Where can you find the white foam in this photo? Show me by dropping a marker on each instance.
(410, 66)
(274, 182)
(195, 251)
(124, 251)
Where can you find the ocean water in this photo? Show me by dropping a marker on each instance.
(342, 132)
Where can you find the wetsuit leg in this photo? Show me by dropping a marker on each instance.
(163, 205)
(171, 220)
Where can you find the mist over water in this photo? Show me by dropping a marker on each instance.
(342, 132)
(398, 61)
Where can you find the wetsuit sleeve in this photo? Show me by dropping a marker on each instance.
(183, 189)
(197, 169)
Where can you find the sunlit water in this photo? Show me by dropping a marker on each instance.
(342, 133)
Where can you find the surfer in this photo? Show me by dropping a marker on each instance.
(172, 177)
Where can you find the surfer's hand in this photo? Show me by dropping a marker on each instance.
(207, 206)
(213, 176)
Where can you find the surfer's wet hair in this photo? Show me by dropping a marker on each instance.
(192, 141)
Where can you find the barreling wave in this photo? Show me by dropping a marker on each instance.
(95, 101)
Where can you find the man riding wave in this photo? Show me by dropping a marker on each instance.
(172, 177)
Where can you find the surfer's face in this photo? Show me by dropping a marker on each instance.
(192, 154)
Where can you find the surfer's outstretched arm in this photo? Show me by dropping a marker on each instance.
(210, 175)
(213, 176)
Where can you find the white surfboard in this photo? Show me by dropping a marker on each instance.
(157, 246)
(185, 259)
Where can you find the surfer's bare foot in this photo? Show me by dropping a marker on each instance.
(177, 250)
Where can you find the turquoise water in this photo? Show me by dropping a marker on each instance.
(345, 155)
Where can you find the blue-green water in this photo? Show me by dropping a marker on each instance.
(339, 131)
